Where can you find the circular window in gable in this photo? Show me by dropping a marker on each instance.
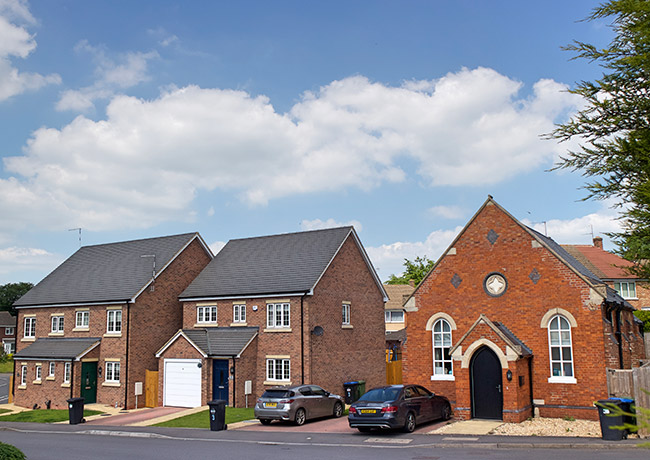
(495, 284)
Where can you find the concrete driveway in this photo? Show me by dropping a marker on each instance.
(325, 425)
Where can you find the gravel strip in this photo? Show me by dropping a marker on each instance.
(543, 427)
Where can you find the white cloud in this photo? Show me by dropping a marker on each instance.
(126, 71)
(16, 41)
(149, 159)
(448, 212)
(217, 246)
(579, 230)
(16, 259)
(388, 259)
(318, 224)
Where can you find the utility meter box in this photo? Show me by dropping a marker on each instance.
(248, 387)
(138, 388)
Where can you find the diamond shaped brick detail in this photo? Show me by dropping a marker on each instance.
(456, 280)
(534, 276)
(492, 236)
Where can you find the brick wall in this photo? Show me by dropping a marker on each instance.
(346, 354)
(157, 315)
(520, 308)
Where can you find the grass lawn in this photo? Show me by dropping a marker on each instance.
(43, 415)
(202, 419)
(4, 411)
(7, 367)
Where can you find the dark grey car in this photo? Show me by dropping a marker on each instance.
(297, 403)
(397, 406)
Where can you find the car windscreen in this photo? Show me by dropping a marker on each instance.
(381, 394)
(277, 394)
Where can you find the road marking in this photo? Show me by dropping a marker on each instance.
(389, 440)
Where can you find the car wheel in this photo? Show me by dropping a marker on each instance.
(409, 424)
(446, 412)
(301, 417)
(265, 421)
(338, 409)
(363, 429)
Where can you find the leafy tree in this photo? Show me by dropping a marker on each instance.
(11, 292)
(614, 126)
(415, 271)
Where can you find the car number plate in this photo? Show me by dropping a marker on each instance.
(368, 411)
(270, 404)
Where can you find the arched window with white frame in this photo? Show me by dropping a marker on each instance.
(560, 349)
(441, 336)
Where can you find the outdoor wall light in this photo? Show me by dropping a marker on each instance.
(509, 375)
(99, 371)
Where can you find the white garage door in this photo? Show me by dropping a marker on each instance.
(182, 387)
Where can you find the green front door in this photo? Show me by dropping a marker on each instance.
(89, 382)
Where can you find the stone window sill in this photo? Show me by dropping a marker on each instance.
(277, 382)
(277, 329)
(113, 334)
(570, 380)
(447, 377)
(111, 384)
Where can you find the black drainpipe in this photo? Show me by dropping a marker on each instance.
(72, 379)
(530, 385)
(619, 337)
(126, 361)
(302, 339)
(234, 382)
(14, 380)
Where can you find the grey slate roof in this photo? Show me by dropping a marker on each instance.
(525, 351)
(57, 348)
(105, 272)
(221, 341)
(276, 264)
(7, 320)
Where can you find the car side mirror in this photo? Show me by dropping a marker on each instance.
(327, 393)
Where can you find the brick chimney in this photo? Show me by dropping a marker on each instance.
(598, 242)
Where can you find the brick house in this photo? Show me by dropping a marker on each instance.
(395, 318)
(611, 269)
(91, 327)
(284, 309)
(508, 324)
(8, 332)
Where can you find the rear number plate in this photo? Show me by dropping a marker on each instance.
(270, 404)
(368, 411)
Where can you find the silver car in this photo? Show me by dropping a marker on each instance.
(297, 403)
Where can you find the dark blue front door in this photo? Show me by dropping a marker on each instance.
(220, 379)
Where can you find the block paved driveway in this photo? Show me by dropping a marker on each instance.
(326, 425)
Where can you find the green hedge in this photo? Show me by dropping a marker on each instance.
(9, 452)
(644, 315)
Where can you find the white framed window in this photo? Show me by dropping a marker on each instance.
(57, 324)
(394, 316)
(38, 372)
(9, 331)
(206, 314)
(112, 372)
(278, 315)
(23, 375)
(560, 349)
(82, 318)
(239, 313)
(114, 321)
(66, 372)
(442, 363)
(346, 313)
(30, 327)
(626, 289)
(52, 369)
(278, 370)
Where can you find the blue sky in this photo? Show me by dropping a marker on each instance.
(236, 119)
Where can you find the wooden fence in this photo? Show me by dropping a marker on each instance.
(633, 384)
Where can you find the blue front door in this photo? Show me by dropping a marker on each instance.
(220, 379)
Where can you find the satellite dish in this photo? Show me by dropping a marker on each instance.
(318, 331)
